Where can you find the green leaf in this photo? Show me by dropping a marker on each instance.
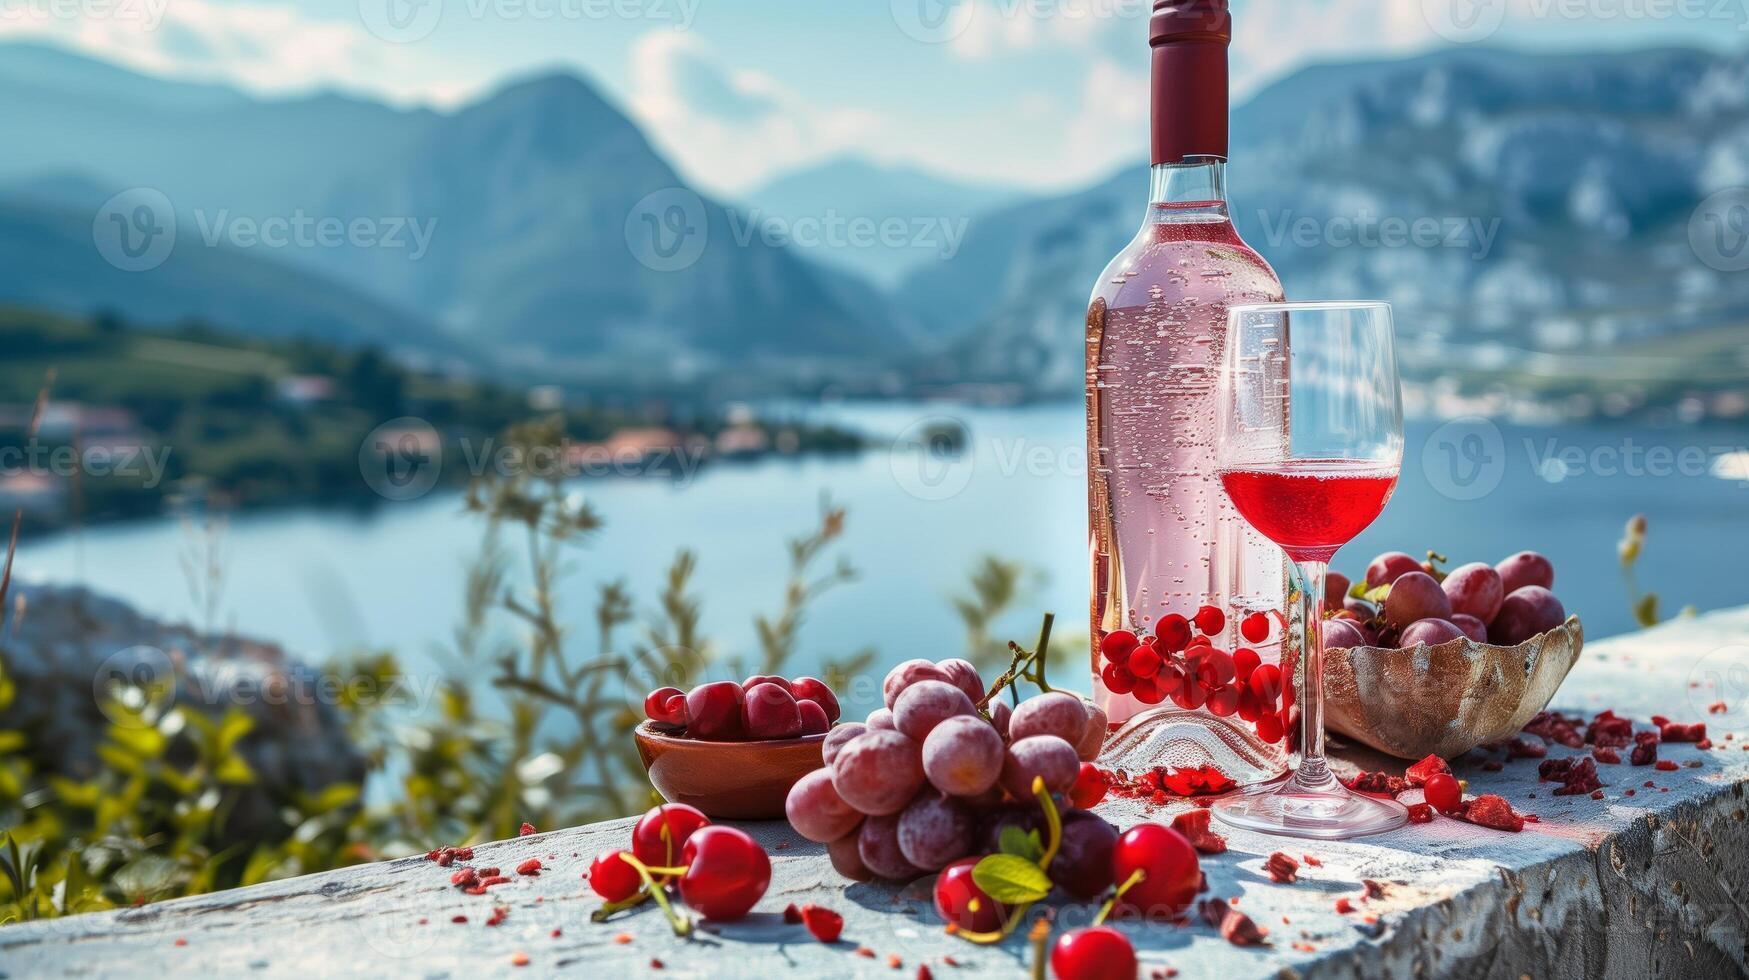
(1011, 880)
(1022, 843)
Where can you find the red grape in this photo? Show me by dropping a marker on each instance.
(1415, 595)
(878, 772)
(1526, 612)
(1093, 738)
(881, 719)
(1082, 866)
(838, 737)
(1525, 568)
(1474, 590)
(1429, 631)
(1390, 566)
(768, 711)
(908, 673)
(1056, 713)
(1336, 587)
(925, 704)
(1341, 633)
(964, 676)
(713, 711)
(816, 811)
(816, 690)
(963, 755)
(1090, 787)
(1473, 628)
(934, 830)
(1000, 713)
(878, 844)
(845, 854)
(1044, 756)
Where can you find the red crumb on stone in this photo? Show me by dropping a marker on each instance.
(1666, 765)
(622, 938)
(1344, 906)
(519, 958)
(527, 828)
(1283, 870)
(1194, 825)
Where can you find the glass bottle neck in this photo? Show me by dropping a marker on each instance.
(1193, 189)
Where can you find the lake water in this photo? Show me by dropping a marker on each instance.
(324, 581)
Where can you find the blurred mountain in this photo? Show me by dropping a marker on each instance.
(880, 221)
(1554, 196)
(545, 243)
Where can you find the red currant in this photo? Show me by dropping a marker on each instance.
(612, 878)
(1223, 702)
(1148, 692)
(1265, 682)
(1118, 679)
(1210, 620)
(1443, 793)
(727, 872)
(1145, 660)
(659, 706)
(961, 903)
(1117, 645)
(680, 820)
(1089, 788)
(1255, 627)
(1168, 678)
(1245, 663)
(1269, 729)
(1173, 632)
(1170, 871)
(1099, 953)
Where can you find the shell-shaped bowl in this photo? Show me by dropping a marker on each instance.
(1445, 700)
(727, 780)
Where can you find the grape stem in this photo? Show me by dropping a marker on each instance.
(1024, 665)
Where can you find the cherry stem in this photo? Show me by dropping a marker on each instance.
(607, 910)
(1040, 934)
(1111, 903)
(682, 925)
(1053, 821)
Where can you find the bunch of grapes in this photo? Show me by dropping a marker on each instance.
(1181, 661)
(931, 779)
(1504, 604)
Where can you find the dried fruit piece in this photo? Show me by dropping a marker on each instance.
(1671, 731)
(1194, 825)
(1378, 784)
(1416, 775)
(1283, 870)
(1490, 810)
(1235, 926)
(822, 923)
(1420, 813)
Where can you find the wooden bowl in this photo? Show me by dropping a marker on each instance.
(727, 780)
(1447, 699)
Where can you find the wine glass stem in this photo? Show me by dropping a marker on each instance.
(1313, 772)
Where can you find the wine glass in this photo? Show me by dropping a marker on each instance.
(1310, 444)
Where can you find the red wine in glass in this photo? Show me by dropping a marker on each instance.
(1310, 507)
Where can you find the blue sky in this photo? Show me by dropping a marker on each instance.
(1042, 93)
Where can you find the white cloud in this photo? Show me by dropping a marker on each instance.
(262, 46)
(730, 129)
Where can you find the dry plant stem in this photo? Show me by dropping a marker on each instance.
(36, 421)
(1039, 936)
(1024, 665)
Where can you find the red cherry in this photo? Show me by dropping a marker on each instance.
(727, 872)
(1118, 679)
(659, 704)
(1117, 645)
(1145, 660)
(816, 690)
(1245, 661)
(960, 902)
(814, 720)
(757, 679)
(1099, 953)
(1170, 872)
(681, 821)
(1210, 620)
(1089, 788)
(612, 878)
(1173, 632)
(1443, 793)
(769, 711)
(1255, 627)
(713, 711)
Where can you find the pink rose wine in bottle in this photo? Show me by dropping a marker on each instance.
(1163, 539)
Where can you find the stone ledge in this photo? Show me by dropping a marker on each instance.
(1648, 885)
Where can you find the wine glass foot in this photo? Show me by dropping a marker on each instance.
(1324, 814)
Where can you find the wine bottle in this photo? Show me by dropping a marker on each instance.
(1162, 536)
